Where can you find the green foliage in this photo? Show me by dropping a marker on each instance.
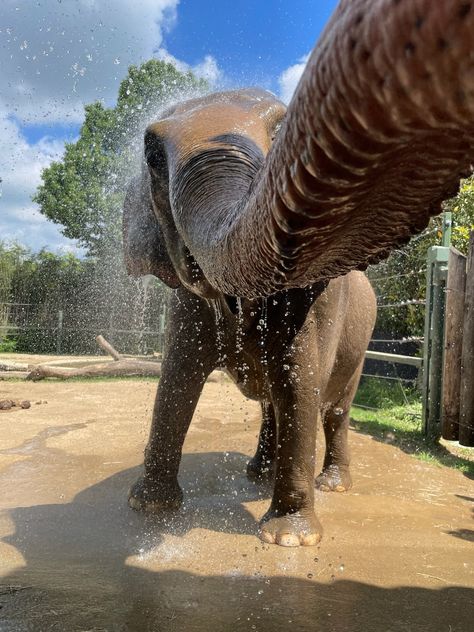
(381, 393)
(84, 194)
(94, 297)
(7, 344)
(462, 207)
(401, 277)
(394, 425)
(84, 191)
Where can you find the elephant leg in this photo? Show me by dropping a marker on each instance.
(179, 389)
(335, 476)
(261, 466)
(291, 520)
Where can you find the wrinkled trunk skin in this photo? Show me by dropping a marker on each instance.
(378, 134)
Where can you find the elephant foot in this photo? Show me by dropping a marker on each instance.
(334, 479)
(154, 497)
(297, 529)
(259, 469)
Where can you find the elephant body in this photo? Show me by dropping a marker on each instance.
(299, 353)
(241, 197)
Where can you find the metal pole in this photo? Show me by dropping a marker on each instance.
(447, 229)
(59, 332)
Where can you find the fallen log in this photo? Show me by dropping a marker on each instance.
(12, 366)
(118, 368)
(107, 347)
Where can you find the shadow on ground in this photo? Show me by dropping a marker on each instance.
(89, 567)
(412, 444)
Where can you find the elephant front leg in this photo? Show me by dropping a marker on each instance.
(261, 466)
(291, 520)
(179, 389)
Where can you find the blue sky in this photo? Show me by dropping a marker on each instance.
(57, 55)
(253, 41)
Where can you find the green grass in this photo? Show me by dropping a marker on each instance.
(380, 393)
(397, 421)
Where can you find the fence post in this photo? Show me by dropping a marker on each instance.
(447, 228)
(111, 327)
(434, 337)
(59, 331)
(466, 418)
(162, 325)
(455, 288)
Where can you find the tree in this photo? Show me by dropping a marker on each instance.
(92, 298)
(84, 191)
(401, 278)
(462, 207)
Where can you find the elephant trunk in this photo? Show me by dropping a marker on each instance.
(378, 134)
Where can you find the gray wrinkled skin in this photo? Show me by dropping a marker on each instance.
(299, 351)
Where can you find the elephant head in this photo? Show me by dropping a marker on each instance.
(251, 200)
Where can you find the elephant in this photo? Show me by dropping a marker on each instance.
(262, 219)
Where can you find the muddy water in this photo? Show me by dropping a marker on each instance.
(397, 554)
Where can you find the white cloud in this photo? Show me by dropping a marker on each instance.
(288, 80)
(56, 55)
(209, 70)
(20, 172)
(206, 69)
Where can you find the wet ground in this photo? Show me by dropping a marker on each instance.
(397, 554)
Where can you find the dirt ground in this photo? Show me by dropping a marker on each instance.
(397, 553)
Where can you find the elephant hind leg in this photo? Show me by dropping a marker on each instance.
(335, 475)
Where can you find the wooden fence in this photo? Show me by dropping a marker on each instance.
(457, 410)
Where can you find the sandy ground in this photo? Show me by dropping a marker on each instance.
(397, 554)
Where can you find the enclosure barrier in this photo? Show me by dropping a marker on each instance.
(458, 370)
(436, 276)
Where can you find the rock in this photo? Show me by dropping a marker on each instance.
(6, 404)
(25, 404)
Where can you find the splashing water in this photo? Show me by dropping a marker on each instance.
(263, 328)
(140, 309)
(221, 356)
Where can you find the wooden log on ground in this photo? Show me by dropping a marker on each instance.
(107, 347)
(8, 375)
(466, 417)
(12, 366)
(119, 368)
(453, 336)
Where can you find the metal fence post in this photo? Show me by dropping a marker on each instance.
(59, 331)
(436, 275)
(162, 326)
(447, 228)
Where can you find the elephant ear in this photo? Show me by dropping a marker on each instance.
(144, 248)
